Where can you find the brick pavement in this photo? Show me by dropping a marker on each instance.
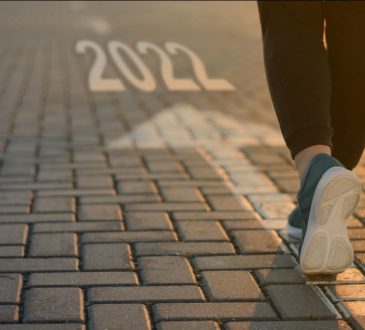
(114, 215)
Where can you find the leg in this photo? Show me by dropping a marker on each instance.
(345, 30)
(297, 72)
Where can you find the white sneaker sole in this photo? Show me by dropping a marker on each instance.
(326, 247)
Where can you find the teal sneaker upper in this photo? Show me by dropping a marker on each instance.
(318, 166)
(295, 218)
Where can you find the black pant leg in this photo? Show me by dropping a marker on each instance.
(345, 34)
(297, 70)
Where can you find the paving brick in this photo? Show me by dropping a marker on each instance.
(101, 181)
(38, 326)
(13, 234)
(148, 221)
(121, 199)
(165, 207)
(76, 192)
(23, 265)
(287, 325)
(9, 313)
(15, 198)
(6, 209)
(166, 270)
(114, 256)
(82, 279)
(203, 172)
(36, 217)
(99, 212)
(215, 215)
(279, 276)
(191, 325)
(12, 251)
(219, 189)
(56, 204)
(78, 227)
(183, 248)
(181, 194)
(231, 285)
(245, 224)
(10, 286)
(356, 313)
(66, 303)
(145, 294)
(272, 206)
(129, 236)
(54, 175)
(224, 311)
(136, 187)
(201, 231)
(226, 203)
(346, 292)
(164, 166)
(53, 245)
(243, 262)
(298, 301)
(257, 241)
(119, 317)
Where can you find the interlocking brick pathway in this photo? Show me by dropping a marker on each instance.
(128, 211)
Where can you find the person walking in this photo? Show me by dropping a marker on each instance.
(314, 55)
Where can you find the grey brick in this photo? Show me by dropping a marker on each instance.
(181, 194)
(77, 227)
(53, 245)
(165, 207)
(9, 313)
(16, 209)
(191, 325)
(287, 325)
(201, 231)
(183, 248)
(12, 251)
(75, 192)
(37, 326)
(129, 236)
(225, 203)
(243, 262)
(148, 221)
(100, 181)
(54, 175)
(115, 256)
(13, 234)
(257, 241)
(298, 301)
(215, 215)
(36, 217)
(166, 270)
(136, 187)
(10, 286)
(81, 279)
(280, 276)
(95, 200)
(203, 172)
(145, 294)
(231, 285)
(23, 265)
(55, 204)
(224, 311)
(119, 317)
(15, 198)
(100, 212)
(66, 305)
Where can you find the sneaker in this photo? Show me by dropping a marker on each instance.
(327, 197)
(294, 225)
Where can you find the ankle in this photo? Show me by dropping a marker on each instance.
(303, 158)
